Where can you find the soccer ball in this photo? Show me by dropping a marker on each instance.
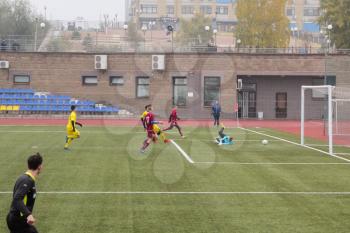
(264, 142)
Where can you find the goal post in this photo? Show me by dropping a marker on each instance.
(327, 89)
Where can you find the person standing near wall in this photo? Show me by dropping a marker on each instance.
(216, 111)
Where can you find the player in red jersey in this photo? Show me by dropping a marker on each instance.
(149, 122)
(173, 118)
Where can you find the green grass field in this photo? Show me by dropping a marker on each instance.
(105, 185)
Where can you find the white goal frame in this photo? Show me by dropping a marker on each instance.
(336, 101)
(329, 90)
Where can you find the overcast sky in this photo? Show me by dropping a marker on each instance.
(89, 9)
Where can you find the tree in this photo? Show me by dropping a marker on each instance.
(193, 31)
(262, 23)
(133, 35)
(87, 42)
(58, 45)
(337, 13)
(17, 18)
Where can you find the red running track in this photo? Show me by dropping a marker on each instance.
(313, 129)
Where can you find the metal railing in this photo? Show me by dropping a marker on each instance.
(104, 45)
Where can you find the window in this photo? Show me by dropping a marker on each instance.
(222, 10)
(116, 81)
(187, 10)
(179, 91)
(170, 10)
(290, 11)
(149, 9)
(312, 11)
(90, 80)
(206, 10)
(211, 90)
(21, 79)
(142, 87)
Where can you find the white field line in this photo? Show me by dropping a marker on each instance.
(342, 153)
(190, 193)
(294, 143)
(184, 154)
(323, 145)
(261, 164)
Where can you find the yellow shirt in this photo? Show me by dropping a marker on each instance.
(144, 114)
(72, 117)
(156, 128)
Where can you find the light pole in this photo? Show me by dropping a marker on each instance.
(125, 27)
(329, 41)
(42, 26)
(295, 35)
(144, 29)
(150, 26)
(171, 30)
(238, 44)
(215, 31)
(207, 28)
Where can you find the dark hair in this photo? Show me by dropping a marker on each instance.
(34, 161)
(146, 107)
(72, 107)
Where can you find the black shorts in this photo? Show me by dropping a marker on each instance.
(19, 225)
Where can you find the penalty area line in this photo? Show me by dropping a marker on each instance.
(294, 143)
(184, 154)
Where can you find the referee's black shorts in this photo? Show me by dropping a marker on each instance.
(19, 225)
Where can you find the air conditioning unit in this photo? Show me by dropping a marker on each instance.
(239, 84)
(158, 62)
(4, 64)
(101, 62)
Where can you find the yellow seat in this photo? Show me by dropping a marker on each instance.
(2, 108)
(15, 108)
(9, 108)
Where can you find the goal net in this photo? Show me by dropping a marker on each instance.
(325, 119)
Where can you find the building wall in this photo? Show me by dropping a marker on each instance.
(269, 86)
(61, 73)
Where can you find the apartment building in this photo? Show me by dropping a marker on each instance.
(303, 14)
(164, 12)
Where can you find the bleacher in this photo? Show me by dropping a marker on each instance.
(28, 101)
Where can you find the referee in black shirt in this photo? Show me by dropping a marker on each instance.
(20, 218)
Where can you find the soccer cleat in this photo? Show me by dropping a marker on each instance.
(183, 136)
(166, 141)
(142, 151)
(66, 149)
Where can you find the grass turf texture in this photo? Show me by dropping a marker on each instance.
(108, 159)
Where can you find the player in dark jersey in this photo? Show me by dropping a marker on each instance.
(173, 118)
(20, 218)
(149, 122)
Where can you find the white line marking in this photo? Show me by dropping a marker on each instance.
(184, 154)
(191, 193)
(294, 143)
(342, 153)
(237, 163)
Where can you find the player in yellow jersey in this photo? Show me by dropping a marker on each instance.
(72, 132)
(156, 128)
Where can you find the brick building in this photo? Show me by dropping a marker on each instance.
(271, 83)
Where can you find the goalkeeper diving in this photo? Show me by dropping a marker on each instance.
(223, 139)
